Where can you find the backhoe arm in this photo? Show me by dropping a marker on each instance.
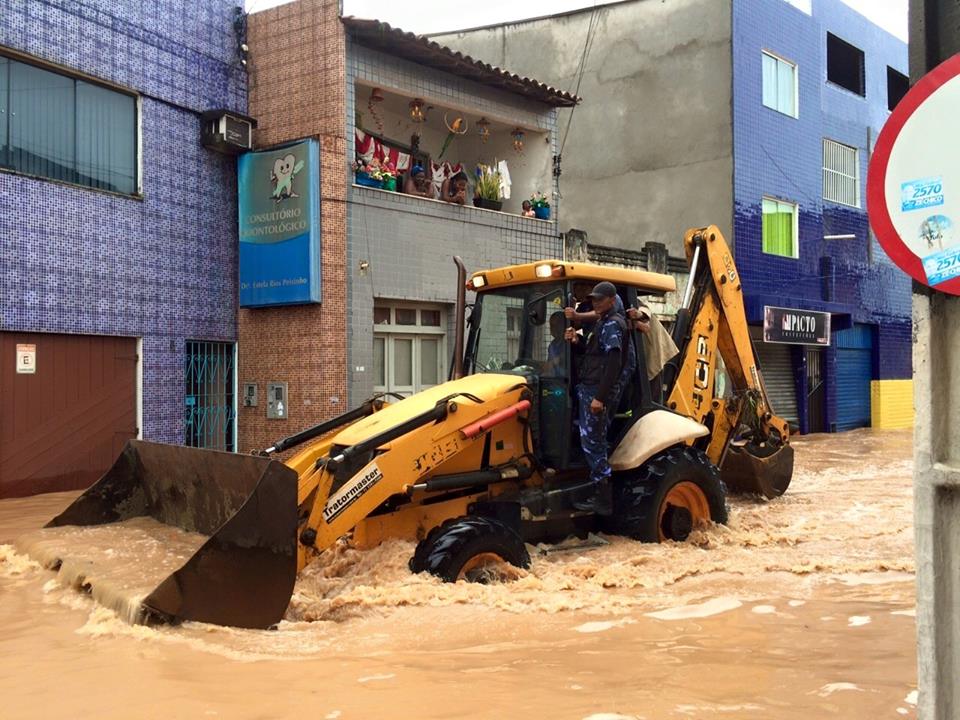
(713, 320)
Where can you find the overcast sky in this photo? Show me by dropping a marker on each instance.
(430, 16)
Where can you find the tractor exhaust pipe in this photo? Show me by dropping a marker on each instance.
(460, 310)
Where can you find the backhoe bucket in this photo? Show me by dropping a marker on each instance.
(763, 470)
(243, 574)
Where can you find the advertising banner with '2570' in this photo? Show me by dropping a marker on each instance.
(279, 206)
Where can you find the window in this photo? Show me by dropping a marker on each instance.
(897, 86)
(841, 173)
(779, 85)
(779, 228)
(62, 128)
(408, 356)
(845, 65)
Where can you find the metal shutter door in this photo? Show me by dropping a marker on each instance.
(854, 372)
(776, 364)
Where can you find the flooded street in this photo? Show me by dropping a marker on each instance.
(801, 608)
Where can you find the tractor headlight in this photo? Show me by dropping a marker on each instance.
(478, 282)
(544, 271)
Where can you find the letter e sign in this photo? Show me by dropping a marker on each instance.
(26, 359)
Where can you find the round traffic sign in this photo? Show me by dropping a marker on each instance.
(913, 183)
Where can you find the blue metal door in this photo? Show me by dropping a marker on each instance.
(854, 372)
(210, 410)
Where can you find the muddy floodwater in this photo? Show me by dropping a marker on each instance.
(802, 607)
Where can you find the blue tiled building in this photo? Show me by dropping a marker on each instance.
(117, 232)
(811, 91)
(726, 112)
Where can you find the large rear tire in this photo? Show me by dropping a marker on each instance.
(470, 548)
(667, 497)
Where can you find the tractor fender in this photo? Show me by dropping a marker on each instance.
(655, 431)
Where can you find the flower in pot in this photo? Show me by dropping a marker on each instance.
(388, 176)
(486, 192)
(540, 205)
(367, 174)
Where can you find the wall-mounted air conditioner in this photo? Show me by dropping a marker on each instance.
(227, 132)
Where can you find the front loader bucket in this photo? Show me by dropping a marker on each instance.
(763, 470)
(243, 574)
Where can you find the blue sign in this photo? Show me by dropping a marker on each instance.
(923, 193)
(279, 204)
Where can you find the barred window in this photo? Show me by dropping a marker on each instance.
(841, 173)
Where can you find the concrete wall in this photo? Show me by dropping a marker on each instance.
(649, 152)
(409, 242)
(161, 266)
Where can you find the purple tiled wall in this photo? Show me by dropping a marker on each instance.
(162, 267)
(781, 156)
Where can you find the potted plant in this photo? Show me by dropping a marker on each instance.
(367, 174)
(540, 205)
(388, 177)
(486, 192)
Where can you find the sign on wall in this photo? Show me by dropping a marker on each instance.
(795, 327)
(26, 359)
(279, 204)
(913, 185)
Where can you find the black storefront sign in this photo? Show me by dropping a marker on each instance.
(795, 327)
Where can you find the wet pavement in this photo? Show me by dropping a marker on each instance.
(802, 607)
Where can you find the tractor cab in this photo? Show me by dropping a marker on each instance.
(517, 326)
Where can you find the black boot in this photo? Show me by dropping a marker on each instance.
(596, 499)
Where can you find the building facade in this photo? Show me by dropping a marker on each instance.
(775, 110)
(117, 234)
(385, 320)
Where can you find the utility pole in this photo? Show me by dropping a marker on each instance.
(934, 37)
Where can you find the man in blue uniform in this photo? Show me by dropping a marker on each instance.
(602, 353)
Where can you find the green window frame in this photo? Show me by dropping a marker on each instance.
(60, 127)
(780, 228)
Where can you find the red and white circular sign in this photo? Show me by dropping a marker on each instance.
(913, 183)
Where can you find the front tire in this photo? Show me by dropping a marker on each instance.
(667, 497)
(470, 548)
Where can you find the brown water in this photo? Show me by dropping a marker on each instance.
(800, 608)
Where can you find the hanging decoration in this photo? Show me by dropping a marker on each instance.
(376, 96)
(483, 128)
(458, 126)
(417, 113)
(517, 135)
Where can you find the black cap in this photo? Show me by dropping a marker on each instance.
(603, 290)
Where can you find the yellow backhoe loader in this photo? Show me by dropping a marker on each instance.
(478, 466)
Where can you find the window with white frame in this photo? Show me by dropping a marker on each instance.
(780, 228)
(841, 173)
(409, 345)
(779, 84)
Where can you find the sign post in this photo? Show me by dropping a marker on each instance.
(795, 327)
(913, 184)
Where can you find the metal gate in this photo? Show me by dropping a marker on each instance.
(816, 391)
(210, 396)
(63, 424)
(776, 364)
(854, 372)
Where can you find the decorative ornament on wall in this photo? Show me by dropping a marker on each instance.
(517, 135)
(483, 129)
(417, 113)
(458, 126)
(376, 97)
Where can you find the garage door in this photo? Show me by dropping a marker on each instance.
(854, 372)
(62, 425)
(776, 364)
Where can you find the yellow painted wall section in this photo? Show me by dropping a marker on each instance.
(891, 403)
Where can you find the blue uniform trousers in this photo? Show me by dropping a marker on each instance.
(593, 434)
